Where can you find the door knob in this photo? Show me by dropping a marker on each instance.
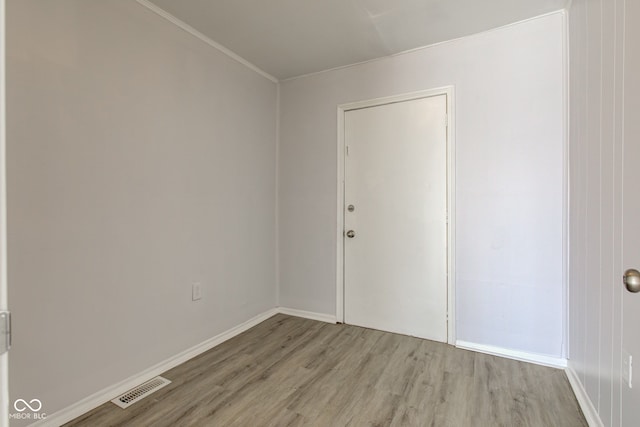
(351, 234)
(632, 280)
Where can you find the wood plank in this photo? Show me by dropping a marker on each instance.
(289, 371)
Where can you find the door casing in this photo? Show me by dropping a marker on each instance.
(448, 91)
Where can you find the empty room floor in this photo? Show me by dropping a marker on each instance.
(289, 371)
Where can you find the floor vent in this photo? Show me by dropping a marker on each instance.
(140, 392)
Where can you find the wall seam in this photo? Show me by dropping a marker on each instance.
(277, 198)
(565, 350)
(622, 183)
(600, 199)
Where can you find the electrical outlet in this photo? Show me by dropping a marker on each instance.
(196, 291)
(627, 369)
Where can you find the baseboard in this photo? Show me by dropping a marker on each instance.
(553, 362)
(85, 405)
(589, 411)
(328, 318)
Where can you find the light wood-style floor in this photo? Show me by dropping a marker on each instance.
(289, 371)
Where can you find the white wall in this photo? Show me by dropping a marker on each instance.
(4, 358)
(510, 139)
(596, 97)
(140, 160)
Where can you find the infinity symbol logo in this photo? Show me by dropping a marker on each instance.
(21, 405)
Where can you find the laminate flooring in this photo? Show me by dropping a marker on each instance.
(289, 371)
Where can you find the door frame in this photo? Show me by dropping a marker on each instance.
(448, 91)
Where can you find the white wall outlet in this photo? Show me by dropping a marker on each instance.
(627, 369)
(196, 291)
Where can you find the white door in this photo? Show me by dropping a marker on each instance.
(631, 214)
(395, 265)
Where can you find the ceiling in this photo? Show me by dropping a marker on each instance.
(288, 38)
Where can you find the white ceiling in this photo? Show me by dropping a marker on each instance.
(288, 38)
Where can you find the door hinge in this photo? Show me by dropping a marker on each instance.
(5, 331)
(347, 150)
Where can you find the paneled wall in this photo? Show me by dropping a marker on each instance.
(596, 35)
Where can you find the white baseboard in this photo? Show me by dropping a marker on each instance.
(328, 318)
(553, 362)
(588, 409)
(85, 405)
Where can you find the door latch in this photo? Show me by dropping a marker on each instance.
(5, 331)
